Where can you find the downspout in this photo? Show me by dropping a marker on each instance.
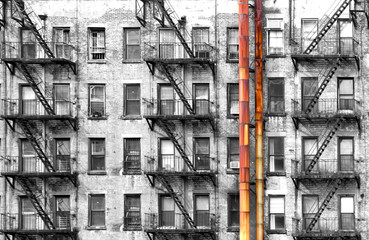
(244, 119)
(259, 166)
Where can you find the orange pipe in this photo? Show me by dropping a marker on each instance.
(259, 166)
(244, 119)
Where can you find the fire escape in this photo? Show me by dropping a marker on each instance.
(330, 112)
(165, 66)
(31, 117)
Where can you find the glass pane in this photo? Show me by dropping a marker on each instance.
(133, 108)
(98, 202)
(278, 222)
(309, 87)
(28, 93)
(97, 162)
(28, 36)
(310, 204)
(97, 93)
(167, 36)
(201, 91)
(308, 27)
(61, 92)
(27, 206)
(62, 147)
(202, 146)
(345, 29)
(234, 201)
(62, 204)
(232, 36)
(234, 146)
(133, 52)
(98, 147)
(202, 203)
(133, 92)
(166, 92)
(310, 146)
(276, 146)
(167, 204)
(346, 147)
(167, 147)
(276, 87)
(201, 35)
(347, 205)
(97, 218)
(133, 36)
(346, 86)
(276, 204)
(27, 149)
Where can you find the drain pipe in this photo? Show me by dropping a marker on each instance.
(259, 166)
(244, 119)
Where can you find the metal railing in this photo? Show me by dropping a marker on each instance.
(175, 50)
(330, 225)
(328, 106)
(172, 163)
(19, 107)
(175, 107)
(172, 220)
(346, 164)
(16, 164)
(32, 221)
(33, 50)
(329, 46)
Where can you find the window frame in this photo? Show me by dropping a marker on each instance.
(195, 45)
(195, 139)
(235, 211)
(228, 59)
(229, 100)
(90, 58)
(195, 211)
(270, 80)
(126, 224)
(339, 140)
(126, 45)
(128, 170)
(66, 101)
(284, 213)
(341, 96)
(56, 155)
(126, 100)
(303, 214)
(90, 115)
(90, 170)
(269, 155)
(340, 213)
(90, 196)
(303, 139)
(229, 139)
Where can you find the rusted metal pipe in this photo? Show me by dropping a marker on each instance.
(244, 119)
(259, 166)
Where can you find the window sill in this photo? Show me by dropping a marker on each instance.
(132, 229)
(132, 61)
(233, 229)
(96, 172)
(280, 174)
(233, 116)
(232, 61)
(132, 172)
(276, 56)
(233, 171)
(282, 231)
(131, 117)
(96, 227)
(97, 118)
(275, 114)
(102, 61)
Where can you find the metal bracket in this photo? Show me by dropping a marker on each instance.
(12, 126)
(11, 183)
(295, 122)
(11, 67)
(151, 180)
(73, 66)
(73, 123)
(151, 125)
(295, 64)
(151, 67)
(296, 183)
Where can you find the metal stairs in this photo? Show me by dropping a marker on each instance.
(327, 26)
(35, 142)
(326, 141)
(326, 201)
(31, 189)
(165, 11)
(165, 126)
(326, 78)
(30, 18)
(173, 195)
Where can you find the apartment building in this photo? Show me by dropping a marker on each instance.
(120, 119)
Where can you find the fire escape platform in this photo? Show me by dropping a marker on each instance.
(339, 234)
(302, 177)
(182, 173)
(39, 174)
(298, 58)
(168, 230)
(184, 117)
(47, 232)
(324, 118)
(181, 61)
(10, 62)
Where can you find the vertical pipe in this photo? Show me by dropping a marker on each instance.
(244, 119)
(259, 170)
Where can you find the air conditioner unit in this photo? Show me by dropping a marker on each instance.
(234, 164)
(202, 54)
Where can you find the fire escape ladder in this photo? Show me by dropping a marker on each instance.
(326, 141)
(326, 78)
(173, 195)
(34, 85)
(35, 142)
(30, 21)
(327, 26)
(167, 16)
(326, 201)
(165, 126)
(30, 189)
(174, 83)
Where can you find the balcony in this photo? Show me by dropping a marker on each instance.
(327, 228)
(174, 52)
(32, 223)
(175, 223)
(33, 109)
(326, 108)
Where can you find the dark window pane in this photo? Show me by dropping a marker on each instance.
(133, 108)
(98, 202)
(133, 92)
(97, 218)
(97, 162)
(133, 52)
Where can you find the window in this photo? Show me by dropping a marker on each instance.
(346, 154)
(346, 94)
(97, 100)
(168, 103)
(132, 48)
(309, 149)
(232, 44)
(132, 95)
(62, 155)
(310, 205)
(62, 47)
(200, 38)
(96, 208)
(62, 99)
(276, 215)
(29, 46)
(234, 210)
(276, 154)
(201, 99)
(202, 210)
(96, 43)
(166, 214)
(62, 212)
(169, 158)
(169, 47)
(132, 212)
(30, 220)
(346, 43)
(347, 213)
(276, 96)
(275, 36)
(30, 162)
(233, 153)
(309, 88)
(232, 106)
(132, 154)
(29, 103)
(309, 30)
(202, 153)
(97, 154)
